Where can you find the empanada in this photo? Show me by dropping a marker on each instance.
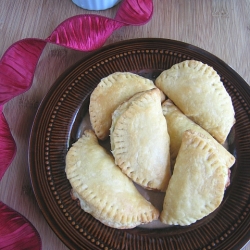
(109, 94)
(178, 123)
(197, 185)
(140, 140)
(197, 91)
(103, 190)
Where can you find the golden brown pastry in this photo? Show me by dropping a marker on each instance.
(140, 140)
(197, 185)
(197, 91)
(103, 190)
(109, 94)
(178, 123)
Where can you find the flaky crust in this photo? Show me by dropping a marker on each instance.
(109, 94)
(140, 140)
(197, 185)
(197, 91)
(178, 123)
(103, 190)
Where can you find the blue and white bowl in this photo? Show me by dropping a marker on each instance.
(96, 4)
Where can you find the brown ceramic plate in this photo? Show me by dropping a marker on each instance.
(56, 127)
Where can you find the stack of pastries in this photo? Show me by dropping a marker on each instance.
(165, 136)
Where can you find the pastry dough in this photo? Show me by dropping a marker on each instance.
(197, 91)
(109, 94)
(178, 123)
(140, 140)
(103, 190)
(197, 185)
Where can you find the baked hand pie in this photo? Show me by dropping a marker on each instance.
(178, 123)
(109, 94)
(140, 140)
(103, 190)
(197, 91)
(197, 185)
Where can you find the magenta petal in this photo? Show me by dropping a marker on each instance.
(89, 32)
(7, 145)
(16, 232)
(17, 67)
(135, 12)
(84, 32)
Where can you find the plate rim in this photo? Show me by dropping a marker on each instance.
(41, 203)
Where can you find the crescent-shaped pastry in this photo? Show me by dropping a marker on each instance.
(178, 123)
(197, 185)
(140, 140)
(109, 94)
(103, 190)
(197, 91)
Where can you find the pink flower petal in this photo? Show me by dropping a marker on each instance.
(135, 12)
(7, 145)
(84, 32)
(17, 67)
(16, 232)
(89, 32)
